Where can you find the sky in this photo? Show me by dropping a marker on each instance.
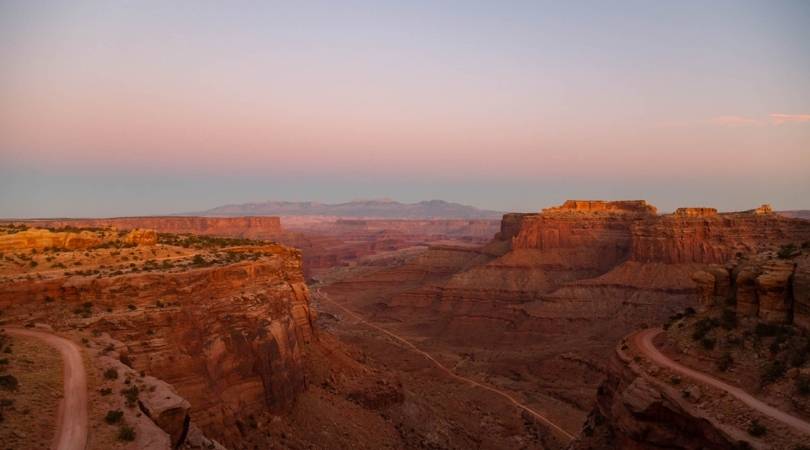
(124, 108)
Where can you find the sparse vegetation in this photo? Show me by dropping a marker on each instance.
(787, 251)
(729, 319)
(9, 382)
(111, 373)
(131, 394)
(772, 372)
(126, 433)
(114, 416)
(708, 343)
(756, 429)
(725, 362)
(703, 327)
(803, 385)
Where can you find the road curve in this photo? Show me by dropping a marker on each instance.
(643, 341)
(450, 373)
(71, 425)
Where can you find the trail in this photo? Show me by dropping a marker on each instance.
(568, 436)
(643, 340)
(71, 422)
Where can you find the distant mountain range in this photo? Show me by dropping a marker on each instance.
(382, 209)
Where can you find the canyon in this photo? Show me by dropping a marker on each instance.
(403, 333)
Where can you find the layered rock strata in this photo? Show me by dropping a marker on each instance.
(227, 337)
(251, 227)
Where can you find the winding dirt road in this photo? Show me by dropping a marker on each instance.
(568, 436)
(643, 341)
(71, 425)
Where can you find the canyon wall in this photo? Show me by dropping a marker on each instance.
(40, 239)
(251, 227)
(635, 411)
(701, 235)
(227, 337)
(773, 287)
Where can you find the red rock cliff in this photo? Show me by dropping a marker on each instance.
(709, 238)
(228, 338)
(252, 227)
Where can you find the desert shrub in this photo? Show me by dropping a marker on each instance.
(756, 429)
(729, 319)
(707, 343)
(703, 327)
(772, 372)
(131, 394)
(803, 385)
(132, 307)
(33, 264)
(675, 380)
(126, 433)
(111, 373)
(9, 382)
(725, 362)
(768, 330)
(114, 416)
(3, 361)
(787, 251)
(105, 391)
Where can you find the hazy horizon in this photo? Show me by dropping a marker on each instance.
(112, 108)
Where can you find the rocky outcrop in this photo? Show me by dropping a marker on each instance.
(635, 207)
(39, 239)
(251, 227)
(228, 338)
(635, 411)
(712, 238)
(772, 289)
(801, 292)
(695, 212)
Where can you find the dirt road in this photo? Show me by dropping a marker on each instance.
(643, 341)
(71, 422)
(556, 428)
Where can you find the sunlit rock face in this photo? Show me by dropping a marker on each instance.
(258, 227)
(228, 337)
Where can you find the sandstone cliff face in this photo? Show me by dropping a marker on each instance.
(712, 238)
(38, 239)
(634, 411)
(763, 285)
(601, 206)
(251, 227)
(228, 338)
